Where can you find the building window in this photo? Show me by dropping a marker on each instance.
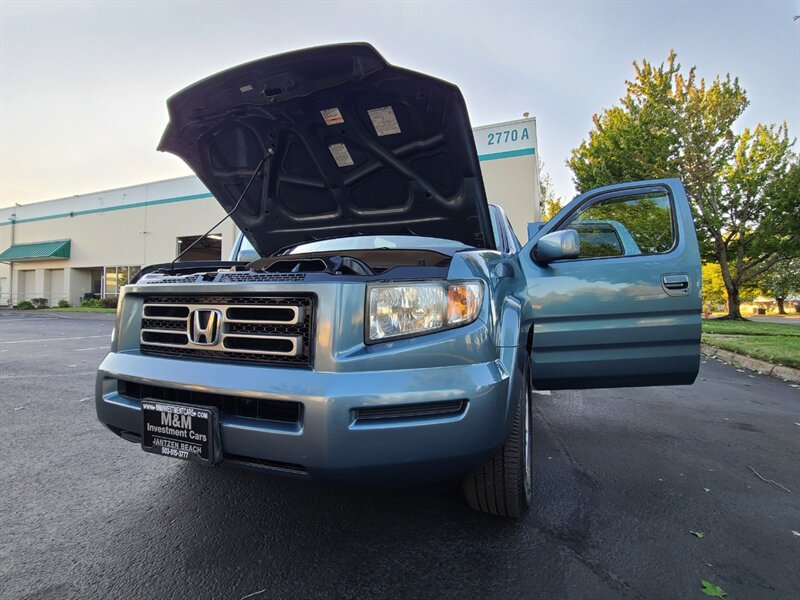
(116, 277)
(209, 248)
(111, 281)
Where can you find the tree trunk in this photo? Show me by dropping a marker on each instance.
(734, 304)
(779, 302)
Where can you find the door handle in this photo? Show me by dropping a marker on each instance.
(675, 284)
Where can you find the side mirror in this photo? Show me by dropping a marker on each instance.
(557, 246)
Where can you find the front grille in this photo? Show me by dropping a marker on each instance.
(260, 329)
(282, 411)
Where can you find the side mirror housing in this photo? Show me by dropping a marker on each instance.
(557, 246)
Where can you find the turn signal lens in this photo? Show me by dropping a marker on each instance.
(463, 303)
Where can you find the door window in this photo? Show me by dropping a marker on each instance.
(625, 226)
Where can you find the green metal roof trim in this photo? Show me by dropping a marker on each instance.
(57, 249)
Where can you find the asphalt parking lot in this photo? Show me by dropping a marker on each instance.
(621, 478)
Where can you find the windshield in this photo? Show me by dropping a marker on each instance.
(362, 242)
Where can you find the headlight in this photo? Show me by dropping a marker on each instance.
(413, 309)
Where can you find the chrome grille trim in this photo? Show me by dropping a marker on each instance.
(296, 341)
(297, 314)
(161, 331)
(263, 329)
(147, 310)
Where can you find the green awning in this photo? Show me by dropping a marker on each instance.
(57, 249)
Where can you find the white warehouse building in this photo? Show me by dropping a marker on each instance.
(92, 244)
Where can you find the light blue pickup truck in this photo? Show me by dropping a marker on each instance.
(380, 322)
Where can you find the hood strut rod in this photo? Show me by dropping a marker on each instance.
(269, 154)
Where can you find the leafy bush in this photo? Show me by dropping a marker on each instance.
(63, 303)
(25, 305)
(40, 302)
(110, 302)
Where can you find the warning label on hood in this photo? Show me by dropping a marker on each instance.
(341, 155)
(332, 116)
(384, 121)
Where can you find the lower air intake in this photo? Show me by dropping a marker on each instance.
(374, 414)
(282, 411)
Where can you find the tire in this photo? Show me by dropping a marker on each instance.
(503, 485)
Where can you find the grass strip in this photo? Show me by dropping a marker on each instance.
(776, 349)
(752, 328)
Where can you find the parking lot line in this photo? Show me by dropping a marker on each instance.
(83, 337)
(39, 376)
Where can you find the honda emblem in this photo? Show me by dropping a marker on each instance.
(205, 326)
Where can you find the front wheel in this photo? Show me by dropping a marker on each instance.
(503, 485)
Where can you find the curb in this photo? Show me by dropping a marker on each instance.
(752, 364)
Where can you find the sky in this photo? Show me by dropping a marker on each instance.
(83, 85)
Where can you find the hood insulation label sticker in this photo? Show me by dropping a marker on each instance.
(341, 155)
(332, 116)
(384, 121)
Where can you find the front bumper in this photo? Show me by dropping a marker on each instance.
(328, 443)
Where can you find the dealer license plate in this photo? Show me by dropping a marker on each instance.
(180, 431)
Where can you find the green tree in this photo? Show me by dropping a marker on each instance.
(742, 187)
(781, 282)
(714, 291)
(647, 219)
(713, 286)
(781, 227)
(551, 203)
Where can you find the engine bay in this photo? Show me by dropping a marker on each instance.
(378, 264)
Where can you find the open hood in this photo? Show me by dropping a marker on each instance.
(360, 148)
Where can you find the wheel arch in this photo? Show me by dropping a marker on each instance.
(514, 341)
